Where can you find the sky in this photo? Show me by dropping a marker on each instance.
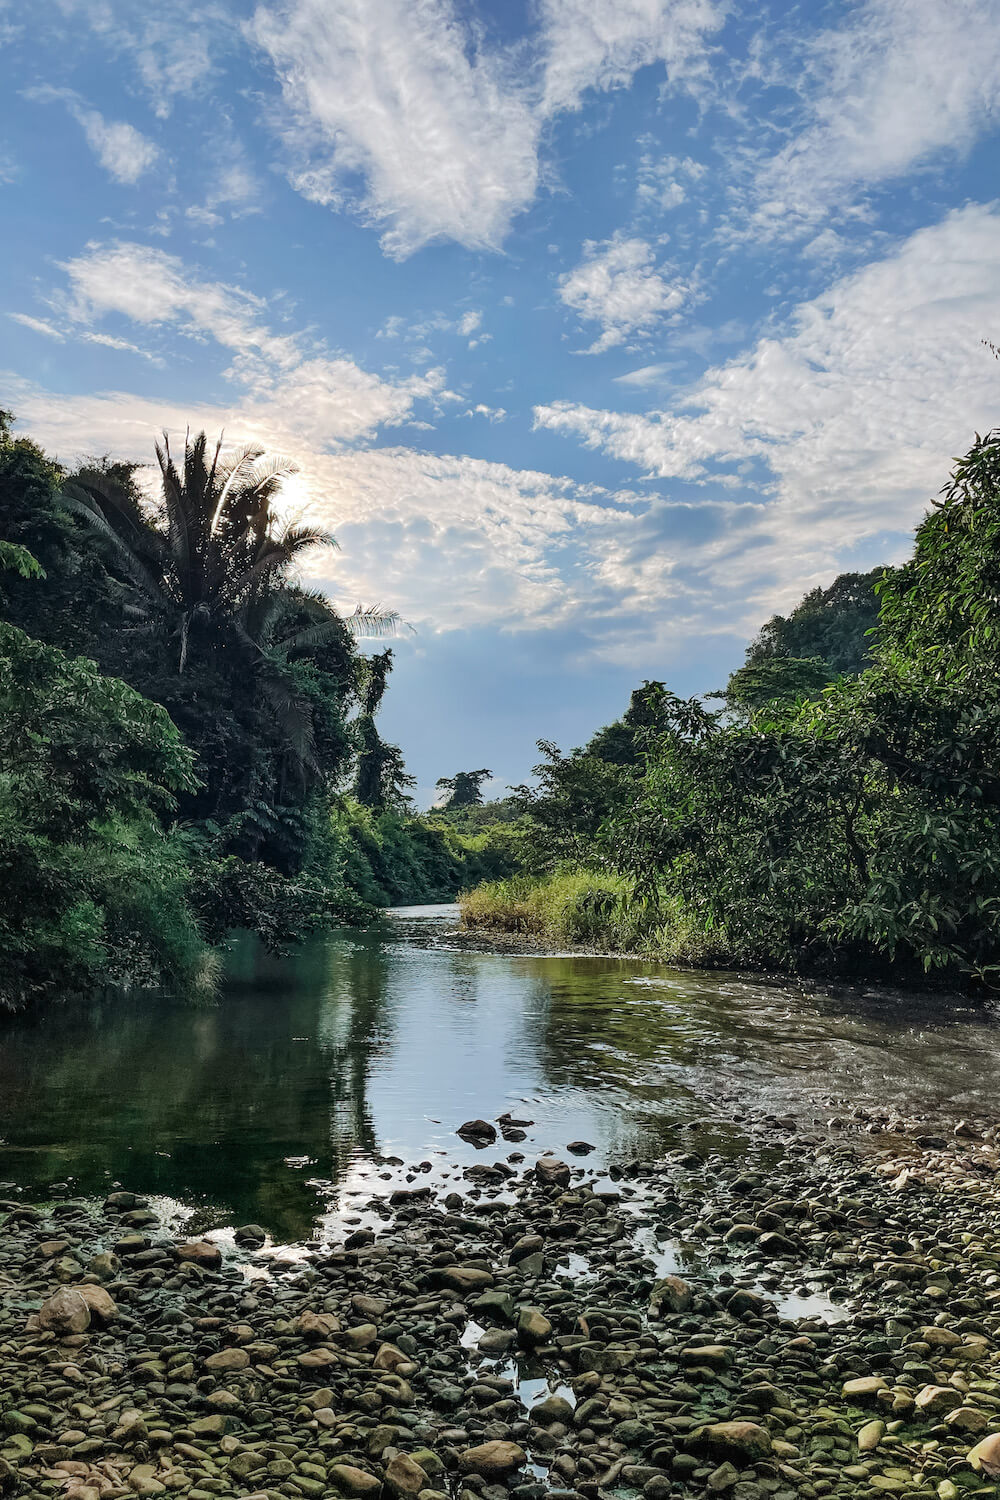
(600, 330)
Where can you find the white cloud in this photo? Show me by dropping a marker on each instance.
(149, 286)
(122, 346)
(234, 190)
(491, 413)
(662, 182)
(174, 48)
(901, 84)
(846, 424)
(37, 325)
(445, 139)
(451, 541)
(444, 132)
(602, 43)
(301, 391)
(646, 375)
(123, 152)
(618, 285)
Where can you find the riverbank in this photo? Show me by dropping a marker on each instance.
(822, 1317)
(577, 908)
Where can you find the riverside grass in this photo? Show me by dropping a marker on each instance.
(588, 910)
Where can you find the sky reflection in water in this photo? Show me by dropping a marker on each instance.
(383, 1042)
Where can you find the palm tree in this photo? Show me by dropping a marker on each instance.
(208, 566)
(211, 560)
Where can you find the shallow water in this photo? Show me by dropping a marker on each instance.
(279, 1103)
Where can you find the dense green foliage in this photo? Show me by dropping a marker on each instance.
(465, 789)
(94, 888)
(381, 781)
(852, 827)
(188, 775)
(393, 859)
(829, 634)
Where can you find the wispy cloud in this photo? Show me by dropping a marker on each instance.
(901, 84)
(844, 424)
(444, 133)
(289, 384)
(618, 285)
(453, 541)
(601, 44)
(37, 325)
(816, 449)
(175, 49)
(124, 152)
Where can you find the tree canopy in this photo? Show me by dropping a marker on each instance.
(465, 789)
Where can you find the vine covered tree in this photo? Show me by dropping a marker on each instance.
(465, 789)
(382, 780)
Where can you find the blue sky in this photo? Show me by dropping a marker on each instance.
(599, 329)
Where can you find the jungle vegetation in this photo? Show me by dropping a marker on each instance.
(188, 738)
(835, 810)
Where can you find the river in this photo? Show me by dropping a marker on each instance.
(317, 1075)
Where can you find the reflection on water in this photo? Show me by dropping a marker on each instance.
(362, 1046)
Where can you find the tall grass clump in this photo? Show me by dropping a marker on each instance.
(590, 910)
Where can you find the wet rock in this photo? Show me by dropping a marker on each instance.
(404, 1477)
(495, 1304)
(228, 1359)
(967, 1419)
(709, 1356)
(477, 1132)
(533, 1327)
(492, 1460)
(66, 1311)
(464, 1279)
(199, 1253)
(352, 1481)
(552, 1173)
(104, 1265)
(985, 1456)
(739, 1441)
(251, 1235)
(670, 1294)
(552, 1409)
(317, 1325)
(103, 1308)
(935, 1400)
(580, 1148)
(864, 1388)
(746, 1303)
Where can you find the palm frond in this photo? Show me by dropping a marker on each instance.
(129, 561)
(176, 500)
(298, 538)
(233, 469)
(311, 635)
(376, 623)
(292, 714)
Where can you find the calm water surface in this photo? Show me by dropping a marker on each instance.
(279, 1102)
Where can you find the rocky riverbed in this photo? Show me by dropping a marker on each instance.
(819, 1318)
